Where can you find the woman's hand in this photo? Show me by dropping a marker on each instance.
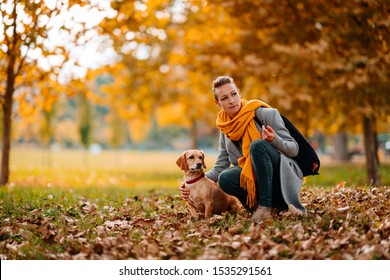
(185, 192)
(267, 133)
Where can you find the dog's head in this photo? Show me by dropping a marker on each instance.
(191, 160)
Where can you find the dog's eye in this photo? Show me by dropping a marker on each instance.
(191, 157)
(200, 157)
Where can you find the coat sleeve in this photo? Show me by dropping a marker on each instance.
(221, 163)
(283, 141)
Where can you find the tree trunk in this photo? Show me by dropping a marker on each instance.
(340, 143)
(371, 150)
(194, 134)
(7, 112)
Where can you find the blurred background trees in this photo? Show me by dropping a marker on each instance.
(27, 59)
(324, 64)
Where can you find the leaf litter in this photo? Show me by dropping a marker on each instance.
(341, 223)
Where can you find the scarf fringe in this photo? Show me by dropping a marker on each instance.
(248, 185)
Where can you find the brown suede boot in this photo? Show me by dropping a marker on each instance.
(262, 213)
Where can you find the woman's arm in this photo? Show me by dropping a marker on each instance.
(283, 141)
(221, 163)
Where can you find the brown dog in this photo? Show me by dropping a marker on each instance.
(205, 195)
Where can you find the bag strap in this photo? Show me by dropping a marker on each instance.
(258, 121)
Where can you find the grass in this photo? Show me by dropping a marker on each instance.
(139, 171)
(135, 171)
(352, 174)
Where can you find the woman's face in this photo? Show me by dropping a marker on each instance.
(228, 99)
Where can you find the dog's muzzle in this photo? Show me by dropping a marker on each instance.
(198, 166)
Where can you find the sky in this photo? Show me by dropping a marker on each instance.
(93, 53)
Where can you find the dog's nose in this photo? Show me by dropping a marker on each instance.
(198, 165)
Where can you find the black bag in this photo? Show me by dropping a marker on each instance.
(307, 157)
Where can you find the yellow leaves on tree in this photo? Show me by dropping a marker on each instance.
(175, 113)
(139, 128)
(27, 110)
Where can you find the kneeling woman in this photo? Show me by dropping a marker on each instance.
(254, 161)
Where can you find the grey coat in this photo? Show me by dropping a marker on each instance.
(290, 174)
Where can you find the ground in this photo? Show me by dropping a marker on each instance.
(126, 205)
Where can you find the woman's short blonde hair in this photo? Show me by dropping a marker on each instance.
(221, 80)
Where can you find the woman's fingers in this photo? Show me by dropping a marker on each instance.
(268, 133)
(185, 192)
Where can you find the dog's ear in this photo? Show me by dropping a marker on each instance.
(182, 162)
(203, 160)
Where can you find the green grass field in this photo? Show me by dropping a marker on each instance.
(138, 171)
(134, 171)
(126, 205)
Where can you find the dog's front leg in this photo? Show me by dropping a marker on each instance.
(193, 210)
(208, 209)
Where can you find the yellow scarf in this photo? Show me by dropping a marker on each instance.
(243, 126)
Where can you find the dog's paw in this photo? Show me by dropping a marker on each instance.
(243, 213)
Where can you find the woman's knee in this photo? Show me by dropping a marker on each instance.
(259, 145)
(223, 179)
(228, 179)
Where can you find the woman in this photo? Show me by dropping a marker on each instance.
(254, 161)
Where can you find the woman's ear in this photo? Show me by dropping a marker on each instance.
(217, 102)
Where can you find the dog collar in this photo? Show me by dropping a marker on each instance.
(196, 179)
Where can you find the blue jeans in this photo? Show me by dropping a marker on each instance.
(266, 167)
